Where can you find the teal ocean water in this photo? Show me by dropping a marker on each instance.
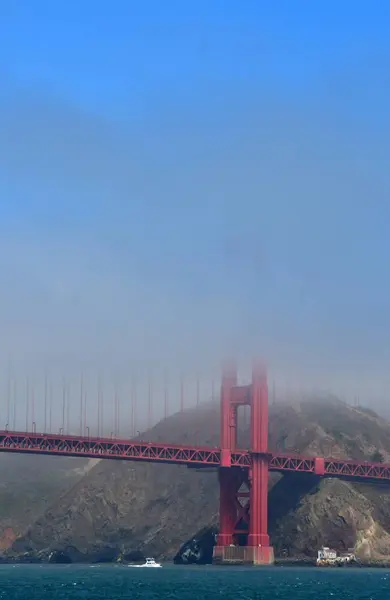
(32, 582)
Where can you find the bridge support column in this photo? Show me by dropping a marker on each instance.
(258, 539)
(259, 548)
(227, 508)
(243, 535)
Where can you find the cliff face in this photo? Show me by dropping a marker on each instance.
(155, 508)
(339, 515)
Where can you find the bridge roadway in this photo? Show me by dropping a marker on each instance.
(192, 456)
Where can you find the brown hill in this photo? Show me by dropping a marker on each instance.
(29, 485)
(155, 508)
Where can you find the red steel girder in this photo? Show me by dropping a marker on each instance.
(110, 448)
(349, 468)
(286, 462)
(332, 467)
(64, 445)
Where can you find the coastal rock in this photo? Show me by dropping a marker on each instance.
(198, 550)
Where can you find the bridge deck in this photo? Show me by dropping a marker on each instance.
(135, 450)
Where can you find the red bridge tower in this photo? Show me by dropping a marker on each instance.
(243, 528)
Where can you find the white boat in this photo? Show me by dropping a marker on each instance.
(149, 562)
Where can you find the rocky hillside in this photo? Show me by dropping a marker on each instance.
(122, 507)
(29, 486)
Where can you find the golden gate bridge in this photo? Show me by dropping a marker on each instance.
(243, 473)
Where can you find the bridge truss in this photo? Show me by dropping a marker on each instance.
(134, 450)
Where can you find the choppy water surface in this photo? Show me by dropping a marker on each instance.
(34, 582)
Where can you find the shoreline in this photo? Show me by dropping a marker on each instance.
(279, 563)
(302, 562)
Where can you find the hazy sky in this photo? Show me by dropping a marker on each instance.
(179, 180)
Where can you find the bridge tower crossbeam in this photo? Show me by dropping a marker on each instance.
(243, 531)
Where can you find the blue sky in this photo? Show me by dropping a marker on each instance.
(181, 179)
